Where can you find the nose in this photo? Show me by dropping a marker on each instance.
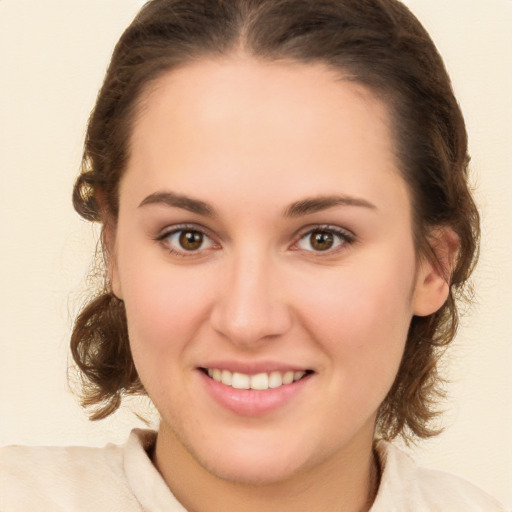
(250, 307)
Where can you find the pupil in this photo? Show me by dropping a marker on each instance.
(322, 240)
(191, 240)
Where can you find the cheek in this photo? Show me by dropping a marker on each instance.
(361, 316)
(361, 325)
(165, 306)
(165, 312)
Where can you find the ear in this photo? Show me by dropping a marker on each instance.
(113, 273)
(108, 244)
(434, 272)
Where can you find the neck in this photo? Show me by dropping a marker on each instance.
(347, 481)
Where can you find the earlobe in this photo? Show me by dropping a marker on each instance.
(434, 273)
(115, 284)
(109, 251)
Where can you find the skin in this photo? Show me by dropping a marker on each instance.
(250, 139)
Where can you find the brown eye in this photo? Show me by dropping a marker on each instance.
(191, 240)
(321, 240)
(186, 240)
(324, 239)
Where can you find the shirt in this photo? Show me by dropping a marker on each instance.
(123, 478)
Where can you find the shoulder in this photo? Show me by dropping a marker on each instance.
(66, 478)
(405, 486)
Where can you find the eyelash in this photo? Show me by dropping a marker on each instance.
(183, 228)
(343, 236)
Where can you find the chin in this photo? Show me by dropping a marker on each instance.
(255, 472)
(251, 461)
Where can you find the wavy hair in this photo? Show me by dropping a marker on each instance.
(378, 43)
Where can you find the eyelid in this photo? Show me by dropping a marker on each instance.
(176, 228)
(347, 236)
(169, 230)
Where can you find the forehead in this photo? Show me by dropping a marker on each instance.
(294, 98)
(279, 125)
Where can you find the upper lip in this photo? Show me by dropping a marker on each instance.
(254, 367)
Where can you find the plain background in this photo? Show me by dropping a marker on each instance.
(53, 54)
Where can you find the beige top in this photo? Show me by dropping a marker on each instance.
(123, 478)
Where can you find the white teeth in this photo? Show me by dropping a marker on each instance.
(226, 377)
(298, 375)
(260, 381)
(241, 381)
(288, 378)
(275, 380)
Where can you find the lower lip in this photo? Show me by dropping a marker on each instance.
(251, 402)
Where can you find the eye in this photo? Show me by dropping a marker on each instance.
(324, 239)
(186, 240)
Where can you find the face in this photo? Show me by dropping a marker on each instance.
(264, 241)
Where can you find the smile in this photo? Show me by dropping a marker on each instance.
(259, 381)
(249, 390)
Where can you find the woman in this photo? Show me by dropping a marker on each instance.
(282, 187)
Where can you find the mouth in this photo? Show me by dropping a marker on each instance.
(259, 381)
(255, 389)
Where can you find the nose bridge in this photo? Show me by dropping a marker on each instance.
(251, 305)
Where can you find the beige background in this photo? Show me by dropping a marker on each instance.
(53, 54)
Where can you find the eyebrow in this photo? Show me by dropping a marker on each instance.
(179, 201)
(316, 204)
(297, 209)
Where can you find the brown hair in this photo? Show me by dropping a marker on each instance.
(378, 43)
